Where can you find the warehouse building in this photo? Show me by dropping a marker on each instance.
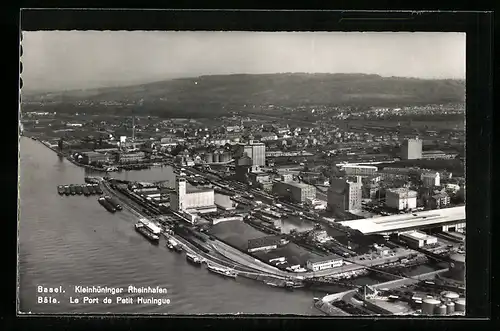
(295, 191)
(359, 170)
(264, 244)
(344, 194)
(94, 157)
(401, 198)
(430, 179)
(417, 239)
(324, 262)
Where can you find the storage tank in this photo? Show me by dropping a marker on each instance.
(449, 296)
(450, 308)
(209, 158)
(457, 267)
(429, 305)
(225, 157)
(216, 158)
(460, 305)
(440, 310)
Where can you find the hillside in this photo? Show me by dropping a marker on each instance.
(290, 89)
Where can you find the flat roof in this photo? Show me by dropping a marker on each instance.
(297, 184)
(359, 166)
(332, 257)
(406, 221)
(416, 235)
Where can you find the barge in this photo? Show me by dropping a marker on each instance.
(85, 190)
(91, 189)
(226, 272)
(106, 205)
(78, 189)
(97, 188)
(173, 245)
(67, 191)
(60, 189)
(142, 229)
(113, 202)
(72, 189)
(194, 259)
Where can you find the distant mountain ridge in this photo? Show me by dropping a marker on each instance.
(287, 89)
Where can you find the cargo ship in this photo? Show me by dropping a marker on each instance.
(78, 189)
(106, 205)
(113, 202)
(91, 189)
(85, 190)
(226, 272)
(142, 229)
(67, 191)
(72, 189)
(60, 189)
(193, 259)
(97, 188)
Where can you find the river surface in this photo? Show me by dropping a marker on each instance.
(70, 241)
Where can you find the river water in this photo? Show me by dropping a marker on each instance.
(70, 241)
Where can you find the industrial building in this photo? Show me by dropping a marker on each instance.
(255, 150)
(401, 199)
(417, 239)
(359, 170)
(439, 200)
(130, 157)
(411, 149)
(295, 191)
(187, 198)
(430, 179)
(324, 262)
(344, 194)
(435, 155)
(264, 243)
(94, 157)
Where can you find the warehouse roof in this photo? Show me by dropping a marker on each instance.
(263, 241)
(319, 259)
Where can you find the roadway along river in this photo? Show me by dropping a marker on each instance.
(73, 240)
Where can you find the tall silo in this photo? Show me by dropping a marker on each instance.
(429, 306)
(216, 157)
(209, 157)
(460, 305)
(440, 310)
(450, 308)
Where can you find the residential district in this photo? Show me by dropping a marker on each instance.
(379, 200)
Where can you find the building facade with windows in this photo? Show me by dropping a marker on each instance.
(344, 194)
(401, 198)
(411, 149)
(295, 191)
(324, 262)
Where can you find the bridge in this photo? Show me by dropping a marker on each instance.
(408, 222)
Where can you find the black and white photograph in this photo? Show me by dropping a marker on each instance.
(240, 172)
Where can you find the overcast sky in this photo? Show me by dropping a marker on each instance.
(60, 60)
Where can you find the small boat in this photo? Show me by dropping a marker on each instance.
(60, 189)
(273, 284)
(226, 272)
(78, 189)
(67, 191)
(173, 245)
(193, 259)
